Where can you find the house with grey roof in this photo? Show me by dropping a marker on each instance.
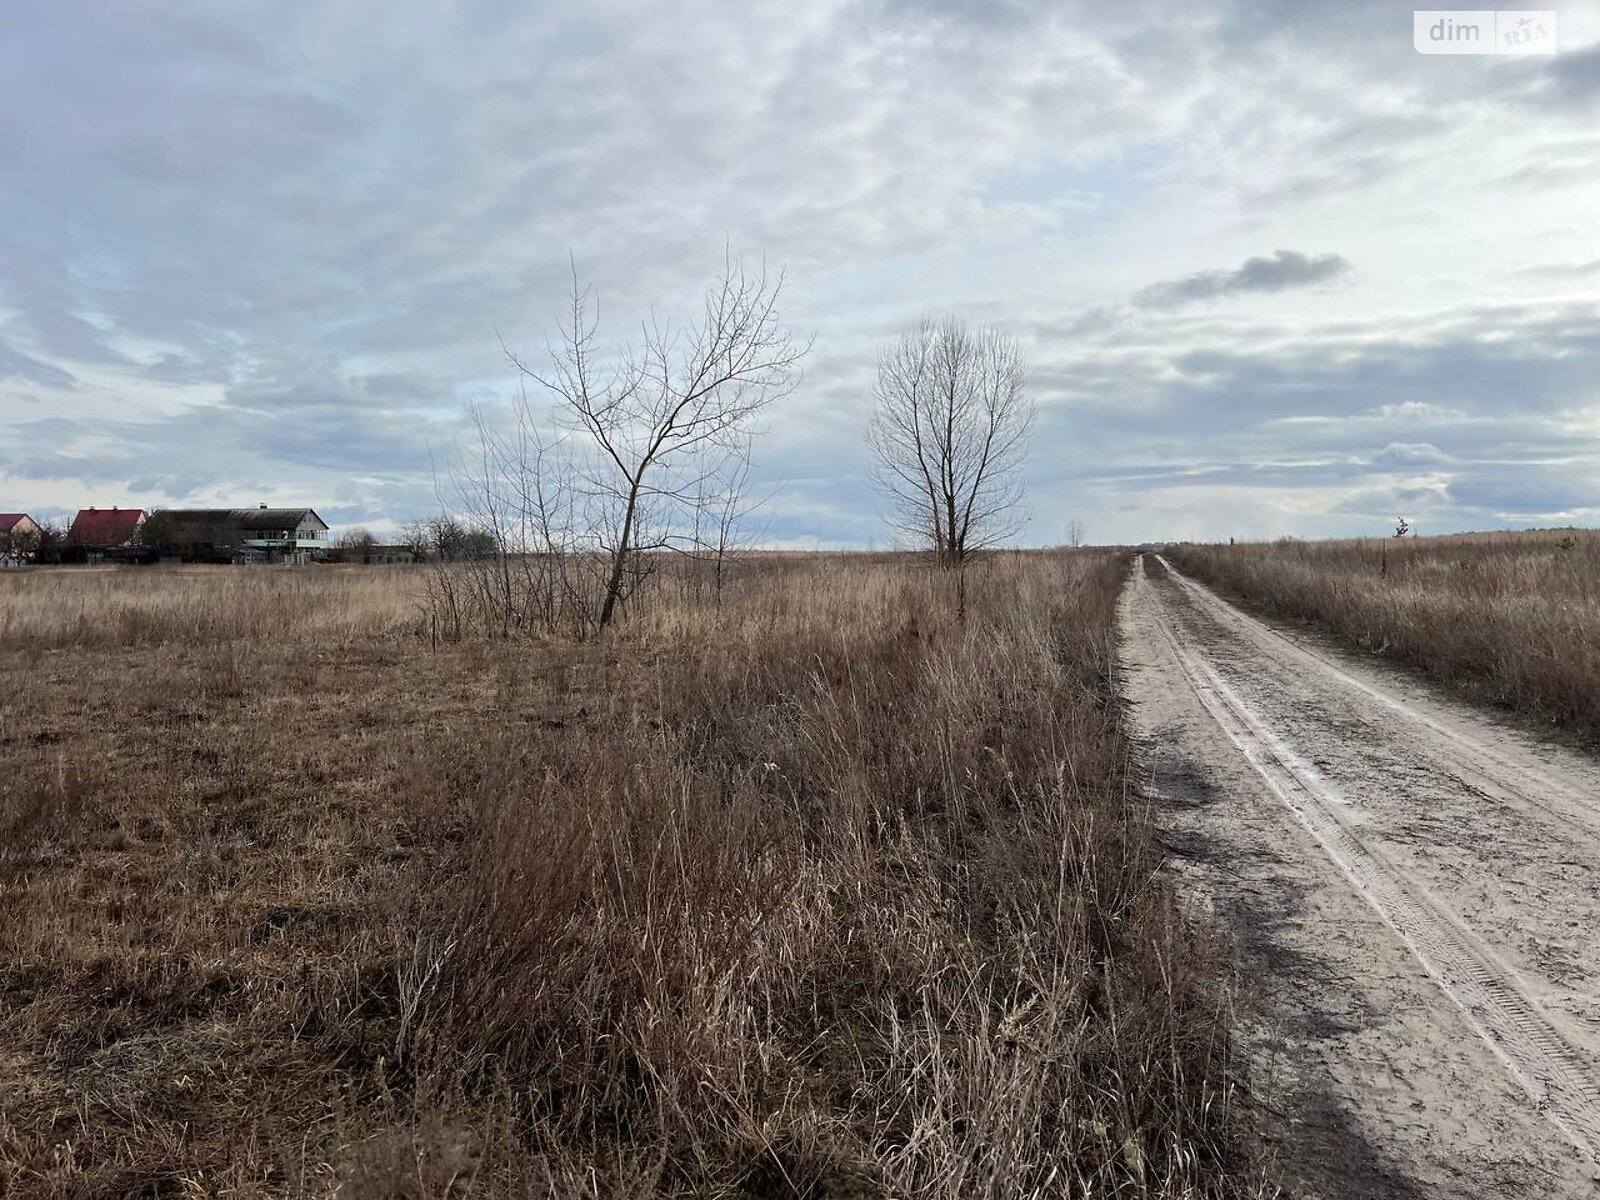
(263, 534)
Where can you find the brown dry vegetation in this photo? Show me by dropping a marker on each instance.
(816, 893)
(1512, 617)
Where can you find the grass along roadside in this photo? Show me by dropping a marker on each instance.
(823, 895)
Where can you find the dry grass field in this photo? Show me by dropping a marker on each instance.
(814, 892)
(1511, 617)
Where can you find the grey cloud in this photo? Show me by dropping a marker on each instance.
(1348, 173)
(1549, 172)
(1562, 271)
(1438, 418)
(1542, 489)
(1285, 269)
(245, 443)
(1360, 131)
(1571, 80)
(16, 365)
(1376, 505)
(1411, 454)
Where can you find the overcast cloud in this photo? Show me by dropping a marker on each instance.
(1274, 271)
(1285, 269)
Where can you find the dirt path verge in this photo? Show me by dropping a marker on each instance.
(1413, 892)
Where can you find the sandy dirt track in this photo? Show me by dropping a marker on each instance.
(1413, 893)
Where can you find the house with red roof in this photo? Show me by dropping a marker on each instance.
(19, 538)
(107, 533)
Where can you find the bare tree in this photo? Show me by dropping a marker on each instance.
(657, 415)
(358, 540)
(45, 545)
(418, 537)
(722, 508)
(949, 435)
(445, 539)
(1075, 533)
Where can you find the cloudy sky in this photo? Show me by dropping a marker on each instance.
(1274, 271)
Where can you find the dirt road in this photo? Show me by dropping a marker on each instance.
(1413, 891)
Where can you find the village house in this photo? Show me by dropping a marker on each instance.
(263, 534)
(379, 554)
(19, 538)
(107, 535)
(361, 548)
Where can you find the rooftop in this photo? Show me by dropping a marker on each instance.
(262, 518)
(105, 526)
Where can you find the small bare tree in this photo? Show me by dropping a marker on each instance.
(657, 416)
(356, 541)
(722, 509)
(1075, 533)
(949, 436)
